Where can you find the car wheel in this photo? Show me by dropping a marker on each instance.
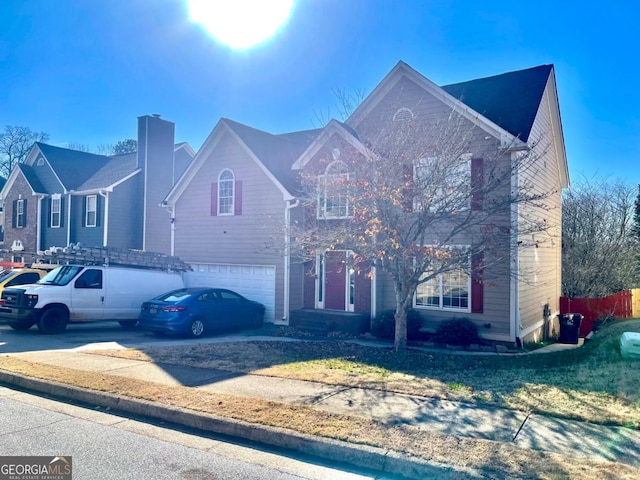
(128, 323)
(53, 320)
(196, 329)
(21, 325)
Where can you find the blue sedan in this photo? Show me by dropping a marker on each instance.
(196, 311)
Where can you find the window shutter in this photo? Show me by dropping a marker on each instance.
(477, 183)
(84, 211)
(407, 188)
(24, 212)
(214, 199)
(477, 284)
(48, 212)
(62, 212)
(14, 220)
(237, 201)
(99, 209)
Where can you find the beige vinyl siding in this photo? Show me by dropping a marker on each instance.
(252, 238)
(496, 308)
(540, 268)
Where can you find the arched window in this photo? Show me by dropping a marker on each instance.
(333, 188)
(226, 193)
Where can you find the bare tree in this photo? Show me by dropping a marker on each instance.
(599, 248)
(345, 106)
(417, 205)
(128, 145)
(15, 144)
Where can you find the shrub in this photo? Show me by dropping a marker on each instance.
(384, 325)
(457, 331)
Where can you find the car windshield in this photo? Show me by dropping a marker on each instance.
(60, 275)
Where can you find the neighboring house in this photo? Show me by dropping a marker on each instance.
(230, 208)
(60, 196)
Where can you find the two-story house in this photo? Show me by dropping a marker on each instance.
(232, 208)
(60, 196)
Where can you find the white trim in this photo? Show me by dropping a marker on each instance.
(86, 211)
(68, 218)
(333, 127)
(233, 194)
(38, 223)
(108, 188)
(556, 126)
(105, 220)
(287, 259)
(532, 328)
(55, 197)
(374, 293)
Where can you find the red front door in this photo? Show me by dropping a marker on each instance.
(336, 271)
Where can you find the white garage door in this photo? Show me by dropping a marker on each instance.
(256, 282)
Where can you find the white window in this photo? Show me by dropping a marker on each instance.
(226, 193)
(55, 211)
(20, 223)
(333, 192)
(91, 205)
(449, 290)
(442, 183)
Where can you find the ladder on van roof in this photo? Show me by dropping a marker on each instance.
(107, 256)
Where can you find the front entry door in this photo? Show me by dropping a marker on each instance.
(336, 288)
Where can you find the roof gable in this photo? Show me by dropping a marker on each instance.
(334, 127)
(72, 167)
(510, 100)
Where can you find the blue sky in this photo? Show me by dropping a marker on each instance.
(83, 71)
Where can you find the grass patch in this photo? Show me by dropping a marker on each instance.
(591, 383)
(492, 459)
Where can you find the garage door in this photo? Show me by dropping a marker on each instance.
(256, 282)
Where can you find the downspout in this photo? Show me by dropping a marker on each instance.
(172, 214)
(287, 258)
(105, 234)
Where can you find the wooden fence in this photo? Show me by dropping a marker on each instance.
(619, 305)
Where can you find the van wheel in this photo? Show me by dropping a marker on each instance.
(22, 325)
(128, 323)
(196, 329)
(54, 320)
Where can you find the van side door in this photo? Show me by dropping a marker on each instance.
(87, 296)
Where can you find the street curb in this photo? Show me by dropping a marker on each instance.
(361, 456)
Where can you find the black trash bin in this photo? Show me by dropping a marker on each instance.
(569, 327)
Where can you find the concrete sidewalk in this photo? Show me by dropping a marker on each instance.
(571, 438)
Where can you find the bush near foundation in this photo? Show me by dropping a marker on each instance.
(457, 331)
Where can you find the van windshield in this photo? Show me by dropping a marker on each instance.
(60, 275)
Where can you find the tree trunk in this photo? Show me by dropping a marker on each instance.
(403, 303)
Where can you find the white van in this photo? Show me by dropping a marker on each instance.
(77, 293)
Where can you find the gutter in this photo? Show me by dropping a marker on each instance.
(287, 257)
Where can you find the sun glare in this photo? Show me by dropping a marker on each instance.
(241, 23)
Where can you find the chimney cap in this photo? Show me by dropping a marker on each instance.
(157, 115)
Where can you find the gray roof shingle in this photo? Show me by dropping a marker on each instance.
(510, 100)
(276, 152)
